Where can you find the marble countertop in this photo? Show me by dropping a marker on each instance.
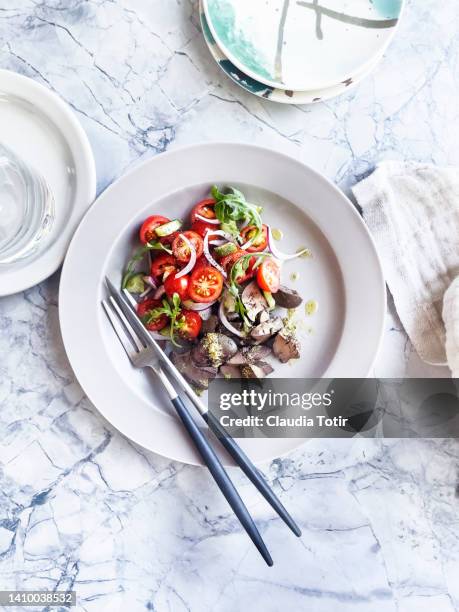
(82, 507)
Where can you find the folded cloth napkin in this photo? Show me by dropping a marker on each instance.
(451, 319)
(412, 211)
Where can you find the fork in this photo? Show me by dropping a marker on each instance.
(128, 306)
(142, 354)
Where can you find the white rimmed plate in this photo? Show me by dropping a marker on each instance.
(300, 45)
(344, 276)
(282, 96)
(37, 125)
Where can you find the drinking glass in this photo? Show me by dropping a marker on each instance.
(26, 208)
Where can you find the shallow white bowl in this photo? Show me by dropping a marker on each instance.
(344, 276)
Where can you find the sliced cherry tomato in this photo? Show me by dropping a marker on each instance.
(205, 208)
(172, 285)
(228, 262)
(202, 261)
(182, 250)
(201, 228)
(261, 242)
(189, 324)
(144, 310)
(168, 240)
(147, 231)
(268, 276)
(206, 284)
(163, 263)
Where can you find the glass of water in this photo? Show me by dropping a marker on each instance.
(26, 208)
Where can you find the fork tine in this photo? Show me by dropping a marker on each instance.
(134, 339)
(132, 317)
(130, 299)
(134, 322)
(126, 343)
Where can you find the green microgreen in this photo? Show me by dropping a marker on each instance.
(172, 310)
(138, 256)
(237, 271)
(232, 209)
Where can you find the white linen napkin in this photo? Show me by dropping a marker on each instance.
(451, 319)
(412, 211)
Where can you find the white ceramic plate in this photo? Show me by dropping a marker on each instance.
(41, 128)
(282, 96)
(301, 45)
(344, 276)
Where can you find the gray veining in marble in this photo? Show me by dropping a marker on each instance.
(80, 506)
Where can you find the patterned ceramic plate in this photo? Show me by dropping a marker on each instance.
(283, 96)
(300, 45)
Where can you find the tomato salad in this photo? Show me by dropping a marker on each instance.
(213, 288)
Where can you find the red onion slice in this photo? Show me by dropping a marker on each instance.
(190, 265)
(160, 291)
(150, 281)
(209, 257)
(222, 233)
(218, 242)
(211, 221)
(227, 324)
(205, 314)
(247, 244)
(277, 253)
(158, 336)
(197, 306)
(146, 292)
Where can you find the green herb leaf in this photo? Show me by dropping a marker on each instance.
(232, 208)
(138, 256)
(157, 246)
(172, 310)
(237, 271)
(230, 227)
(176, 302)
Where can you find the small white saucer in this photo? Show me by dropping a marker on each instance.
(38, 126)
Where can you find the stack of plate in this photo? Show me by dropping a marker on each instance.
(298, 51)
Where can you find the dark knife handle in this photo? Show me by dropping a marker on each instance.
(252, 473)
(221, 478)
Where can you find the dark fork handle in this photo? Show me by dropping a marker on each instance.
(221, 478)
(250, 471)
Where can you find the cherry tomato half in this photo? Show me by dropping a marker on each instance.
(205, 208)
(144, 309)
(172, 285)
(206, 284)
(201, 261)
(228, 262)
(268, 276)
(189, 324)
(163, 263)
(169, 239)
(261, 242)
(201, 228)
(182, 250)
(147, 231)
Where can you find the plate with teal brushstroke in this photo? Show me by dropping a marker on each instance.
(282, 96)
(302, 45)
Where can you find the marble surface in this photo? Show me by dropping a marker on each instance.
(82, 507)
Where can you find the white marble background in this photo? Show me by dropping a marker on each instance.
(80, 506)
